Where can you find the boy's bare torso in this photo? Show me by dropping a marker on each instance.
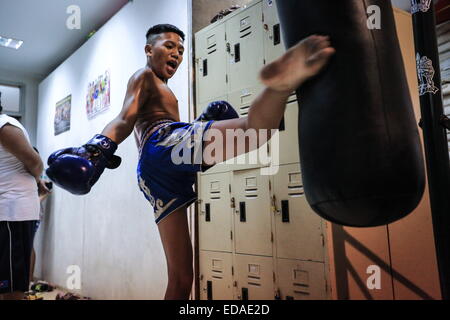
(159, 102)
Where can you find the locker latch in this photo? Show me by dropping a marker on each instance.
(233, 203)
(274, 205)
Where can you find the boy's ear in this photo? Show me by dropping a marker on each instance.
(148, 50)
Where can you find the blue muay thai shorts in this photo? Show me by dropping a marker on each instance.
(169, 160)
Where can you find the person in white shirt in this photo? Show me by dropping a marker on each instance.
(20, 172)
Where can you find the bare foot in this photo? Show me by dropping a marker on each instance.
(301, 62)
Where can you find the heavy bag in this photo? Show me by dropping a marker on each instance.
(360, 153)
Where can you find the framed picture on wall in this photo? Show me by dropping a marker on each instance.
(62, 115)
(98, 97)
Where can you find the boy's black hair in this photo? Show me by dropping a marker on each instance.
(154, 32)
(1, 108)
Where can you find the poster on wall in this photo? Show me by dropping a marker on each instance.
(62, 115)
(98, 97)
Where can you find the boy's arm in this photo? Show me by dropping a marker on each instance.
(137, 93)
(78, 169)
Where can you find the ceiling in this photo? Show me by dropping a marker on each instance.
(42, 26)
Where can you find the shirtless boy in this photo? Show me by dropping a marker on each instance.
(151, 110)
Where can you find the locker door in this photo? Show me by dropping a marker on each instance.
(284, 147)
(252, 219)
(241, 101)
(214, 223)
(216, 282)
(245, 48)
(273, 38)
(298, 228)
(254, 277)
(210, 63)
(301, 280)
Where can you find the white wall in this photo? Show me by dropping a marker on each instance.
(110, 233)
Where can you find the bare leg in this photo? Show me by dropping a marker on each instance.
(281, 78)
(174, 232)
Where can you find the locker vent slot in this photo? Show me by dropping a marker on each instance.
(276, 34)
(214, 193)
(304, 293)
(296, 191)
(245, 29)
(301, 288)
(254, 284)
(211, 52)
(212, 46)
(245, 35)
(292, 97)
(295, 185)
(217, 277)
(254, 277)
(244, 110)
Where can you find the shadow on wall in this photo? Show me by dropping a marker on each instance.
(344, 267)
(205, 10)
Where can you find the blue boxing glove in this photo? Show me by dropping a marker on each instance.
(78, 169)
(218, 110)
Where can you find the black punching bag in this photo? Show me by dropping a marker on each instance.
(360, 152)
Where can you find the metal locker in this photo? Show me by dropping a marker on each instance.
(298, 229)
(244, 44)
(301, 280)
(252, 218)
(254, 277)
(284, 146)
(241, 101)
(215, 216)
(210, 62)
(273, 38)
(216, 279)
(243, 98)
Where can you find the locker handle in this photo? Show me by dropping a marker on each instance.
(276, 34)
(285, 210)
(282, 125)
(207, 212)
(237, 52)
(244, 293)
(205, 67)
(242, 213)
(209, 293)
